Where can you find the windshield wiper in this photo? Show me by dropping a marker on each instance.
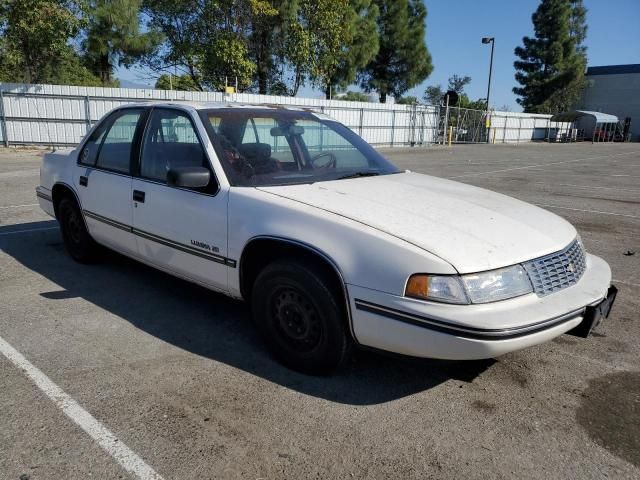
(359, 174)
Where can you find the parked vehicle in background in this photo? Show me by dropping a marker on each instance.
(331, 244)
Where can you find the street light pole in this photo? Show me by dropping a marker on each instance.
(492, 41)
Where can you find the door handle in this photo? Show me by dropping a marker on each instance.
(138, 196)
(84, 181)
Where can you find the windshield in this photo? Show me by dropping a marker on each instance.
(263, 147)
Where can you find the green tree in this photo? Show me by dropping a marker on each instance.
(227, 60)
(457, 83)
(205, 39)
(35, 38)
(268, 31)
(113, 37)
(183, 24)
(350, 96)
(403, 60)
(433, 95)
(465, 102)
(409, 100)
(551, 65)
(175, 82)
(69, 69)
(317, 33)
(361, 44)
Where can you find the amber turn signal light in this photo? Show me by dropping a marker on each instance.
(417, 286)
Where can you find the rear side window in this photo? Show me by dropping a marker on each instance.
(114, 152)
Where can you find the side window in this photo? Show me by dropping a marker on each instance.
(90, 150)
(170, 141)
(115, 152)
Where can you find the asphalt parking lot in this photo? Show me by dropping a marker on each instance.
(178, 375)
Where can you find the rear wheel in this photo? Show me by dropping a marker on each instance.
(77, 240)
(300, 317)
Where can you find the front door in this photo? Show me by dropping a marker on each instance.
(178, 229)
(103, 180)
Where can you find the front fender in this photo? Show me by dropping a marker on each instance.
(364, 255)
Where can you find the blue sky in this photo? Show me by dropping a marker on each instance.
(454, 30)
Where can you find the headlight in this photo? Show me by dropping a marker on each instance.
(497, 284)
(482, 287)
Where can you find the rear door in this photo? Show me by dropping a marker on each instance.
(178, 229)
(103, 179)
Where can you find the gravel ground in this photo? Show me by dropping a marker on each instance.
(178, 374)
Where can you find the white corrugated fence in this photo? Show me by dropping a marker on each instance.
(61, 115)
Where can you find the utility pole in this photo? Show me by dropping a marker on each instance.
(492, 41)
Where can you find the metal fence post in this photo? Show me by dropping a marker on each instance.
(87, 112)
(548, 129)
(519, 129)
(361, 121)
(3, 121)
(446, 122)
(504, 129)
(412, 125)
(393, 125)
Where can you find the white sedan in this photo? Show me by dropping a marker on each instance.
(331, 244)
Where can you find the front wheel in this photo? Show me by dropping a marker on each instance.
(300, 317)
(77, 240)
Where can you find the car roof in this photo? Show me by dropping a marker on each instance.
(219, 105)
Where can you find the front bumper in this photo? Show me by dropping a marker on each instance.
(467, 332)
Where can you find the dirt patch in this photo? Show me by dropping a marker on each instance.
(483, 406)
(564, 341)
(610, 413)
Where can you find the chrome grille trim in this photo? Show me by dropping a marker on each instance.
(558, 270)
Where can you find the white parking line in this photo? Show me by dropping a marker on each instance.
(128, 459)
(28, 230)
(525, 167)
(587, 211)
(18, 206)
(626, 283)
(20, 173)
(589, 187)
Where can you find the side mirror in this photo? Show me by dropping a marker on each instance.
(188, 177)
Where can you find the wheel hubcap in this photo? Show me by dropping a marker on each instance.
(296, 319)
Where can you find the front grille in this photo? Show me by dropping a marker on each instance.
(558, 270)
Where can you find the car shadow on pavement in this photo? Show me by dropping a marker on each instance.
(214, 326)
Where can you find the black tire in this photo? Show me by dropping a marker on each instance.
(300, 317)
(77, 240)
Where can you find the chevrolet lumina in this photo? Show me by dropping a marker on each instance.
(330, 243)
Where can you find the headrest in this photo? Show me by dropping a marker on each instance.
(255, 151)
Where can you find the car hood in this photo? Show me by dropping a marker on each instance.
(471, 228)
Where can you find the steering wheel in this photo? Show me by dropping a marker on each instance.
(330, 164)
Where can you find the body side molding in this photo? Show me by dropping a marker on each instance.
(229, 262)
